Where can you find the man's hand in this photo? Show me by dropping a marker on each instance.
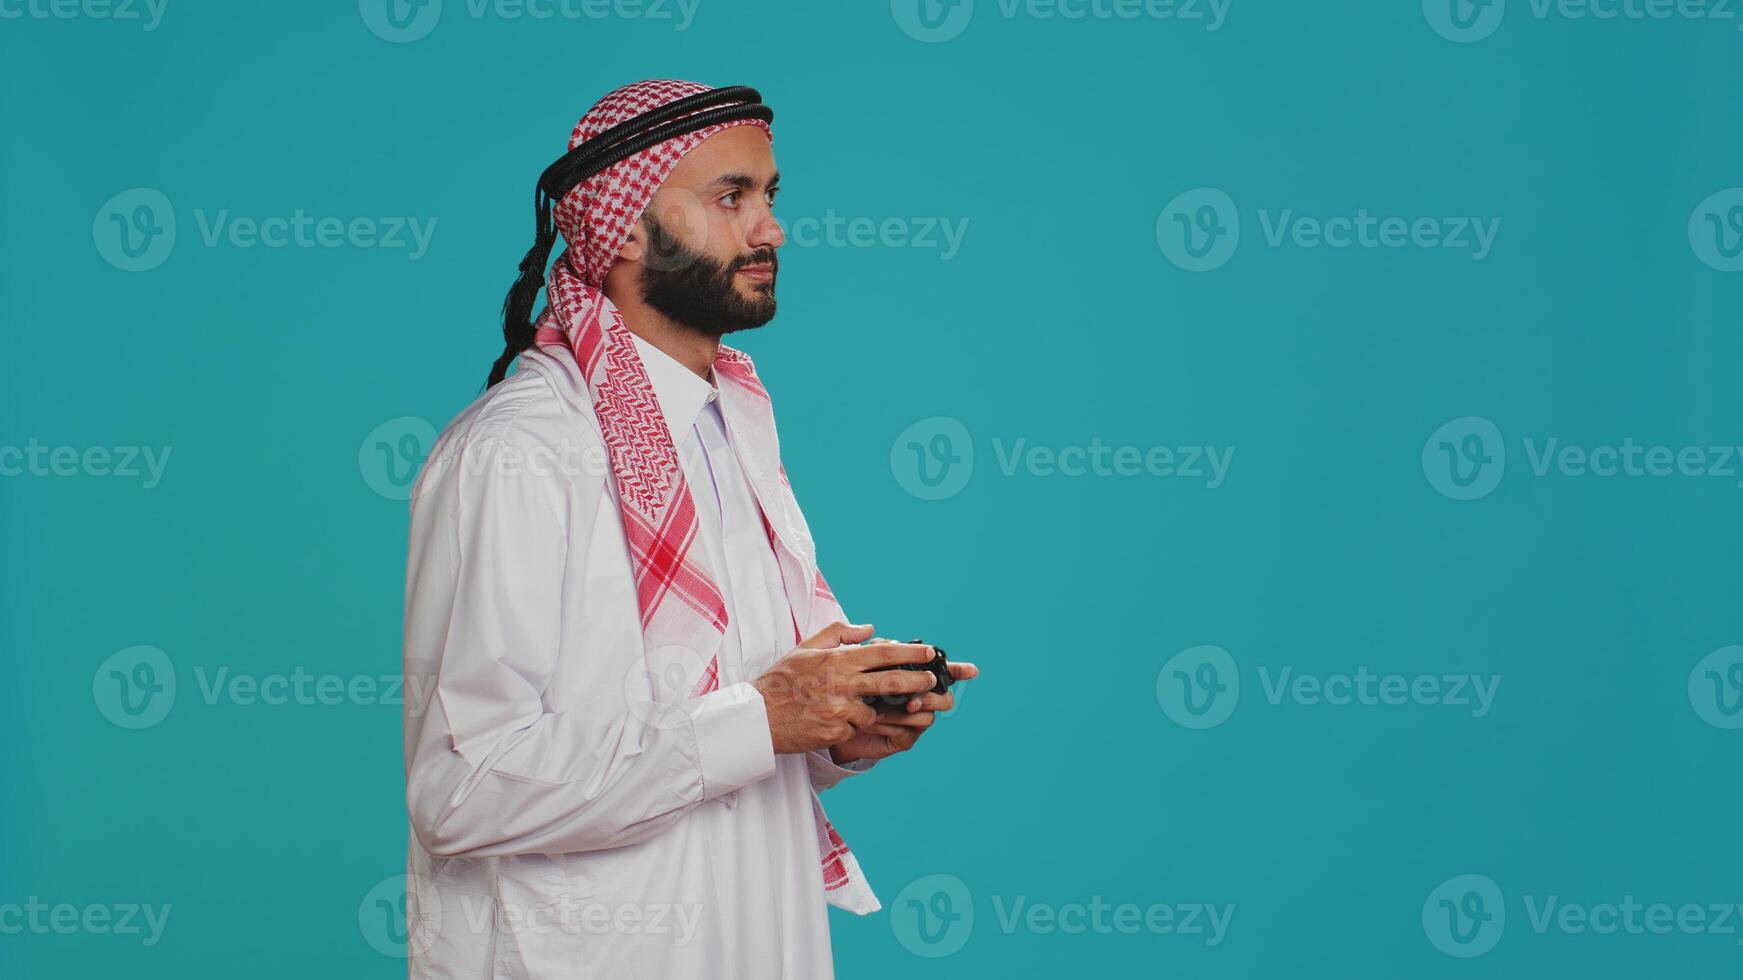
(813, 695)
(891, 732)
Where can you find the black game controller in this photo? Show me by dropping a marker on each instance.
(940, 668)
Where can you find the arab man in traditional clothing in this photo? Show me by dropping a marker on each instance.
(636, 678)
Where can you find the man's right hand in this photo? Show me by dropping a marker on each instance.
(813, 695)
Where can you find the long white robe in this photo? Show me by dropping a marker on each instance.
(572, 815)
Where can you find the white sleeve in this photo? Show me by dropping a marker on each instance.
(826, 773)
(491, 771)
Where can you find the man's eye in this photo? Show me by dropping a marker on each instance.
(771, 195)
(730, 200)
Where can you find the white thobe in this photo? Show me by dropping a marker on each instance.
(573, 815)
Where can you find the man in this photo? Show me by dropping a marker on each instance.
(640, 679)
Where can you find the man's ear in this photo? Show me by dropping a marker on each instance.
(636, 245)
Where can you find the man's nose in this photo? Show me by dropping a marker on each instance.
(766, 232)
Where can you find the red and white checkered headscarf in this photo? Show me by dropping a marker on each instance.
(681, 606)
(597, 215)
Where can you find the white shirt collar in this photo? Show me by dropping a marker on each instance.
(681, 393)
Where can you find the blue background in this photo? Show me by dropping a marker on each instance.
(269, 546)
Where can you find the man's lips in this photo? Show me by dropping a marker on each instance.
(758, 271)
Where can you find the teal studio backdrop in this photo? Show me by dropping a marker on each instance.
(1316, 419)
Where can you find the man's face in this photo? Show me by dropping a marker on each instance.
(706, 243)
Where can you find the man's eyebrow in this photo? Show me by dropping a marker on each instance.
(743, 182)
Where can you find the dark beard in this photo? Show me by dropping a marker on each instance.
(696, 291)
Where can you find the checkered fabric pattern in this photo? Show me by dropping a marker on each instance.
(596, 216)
